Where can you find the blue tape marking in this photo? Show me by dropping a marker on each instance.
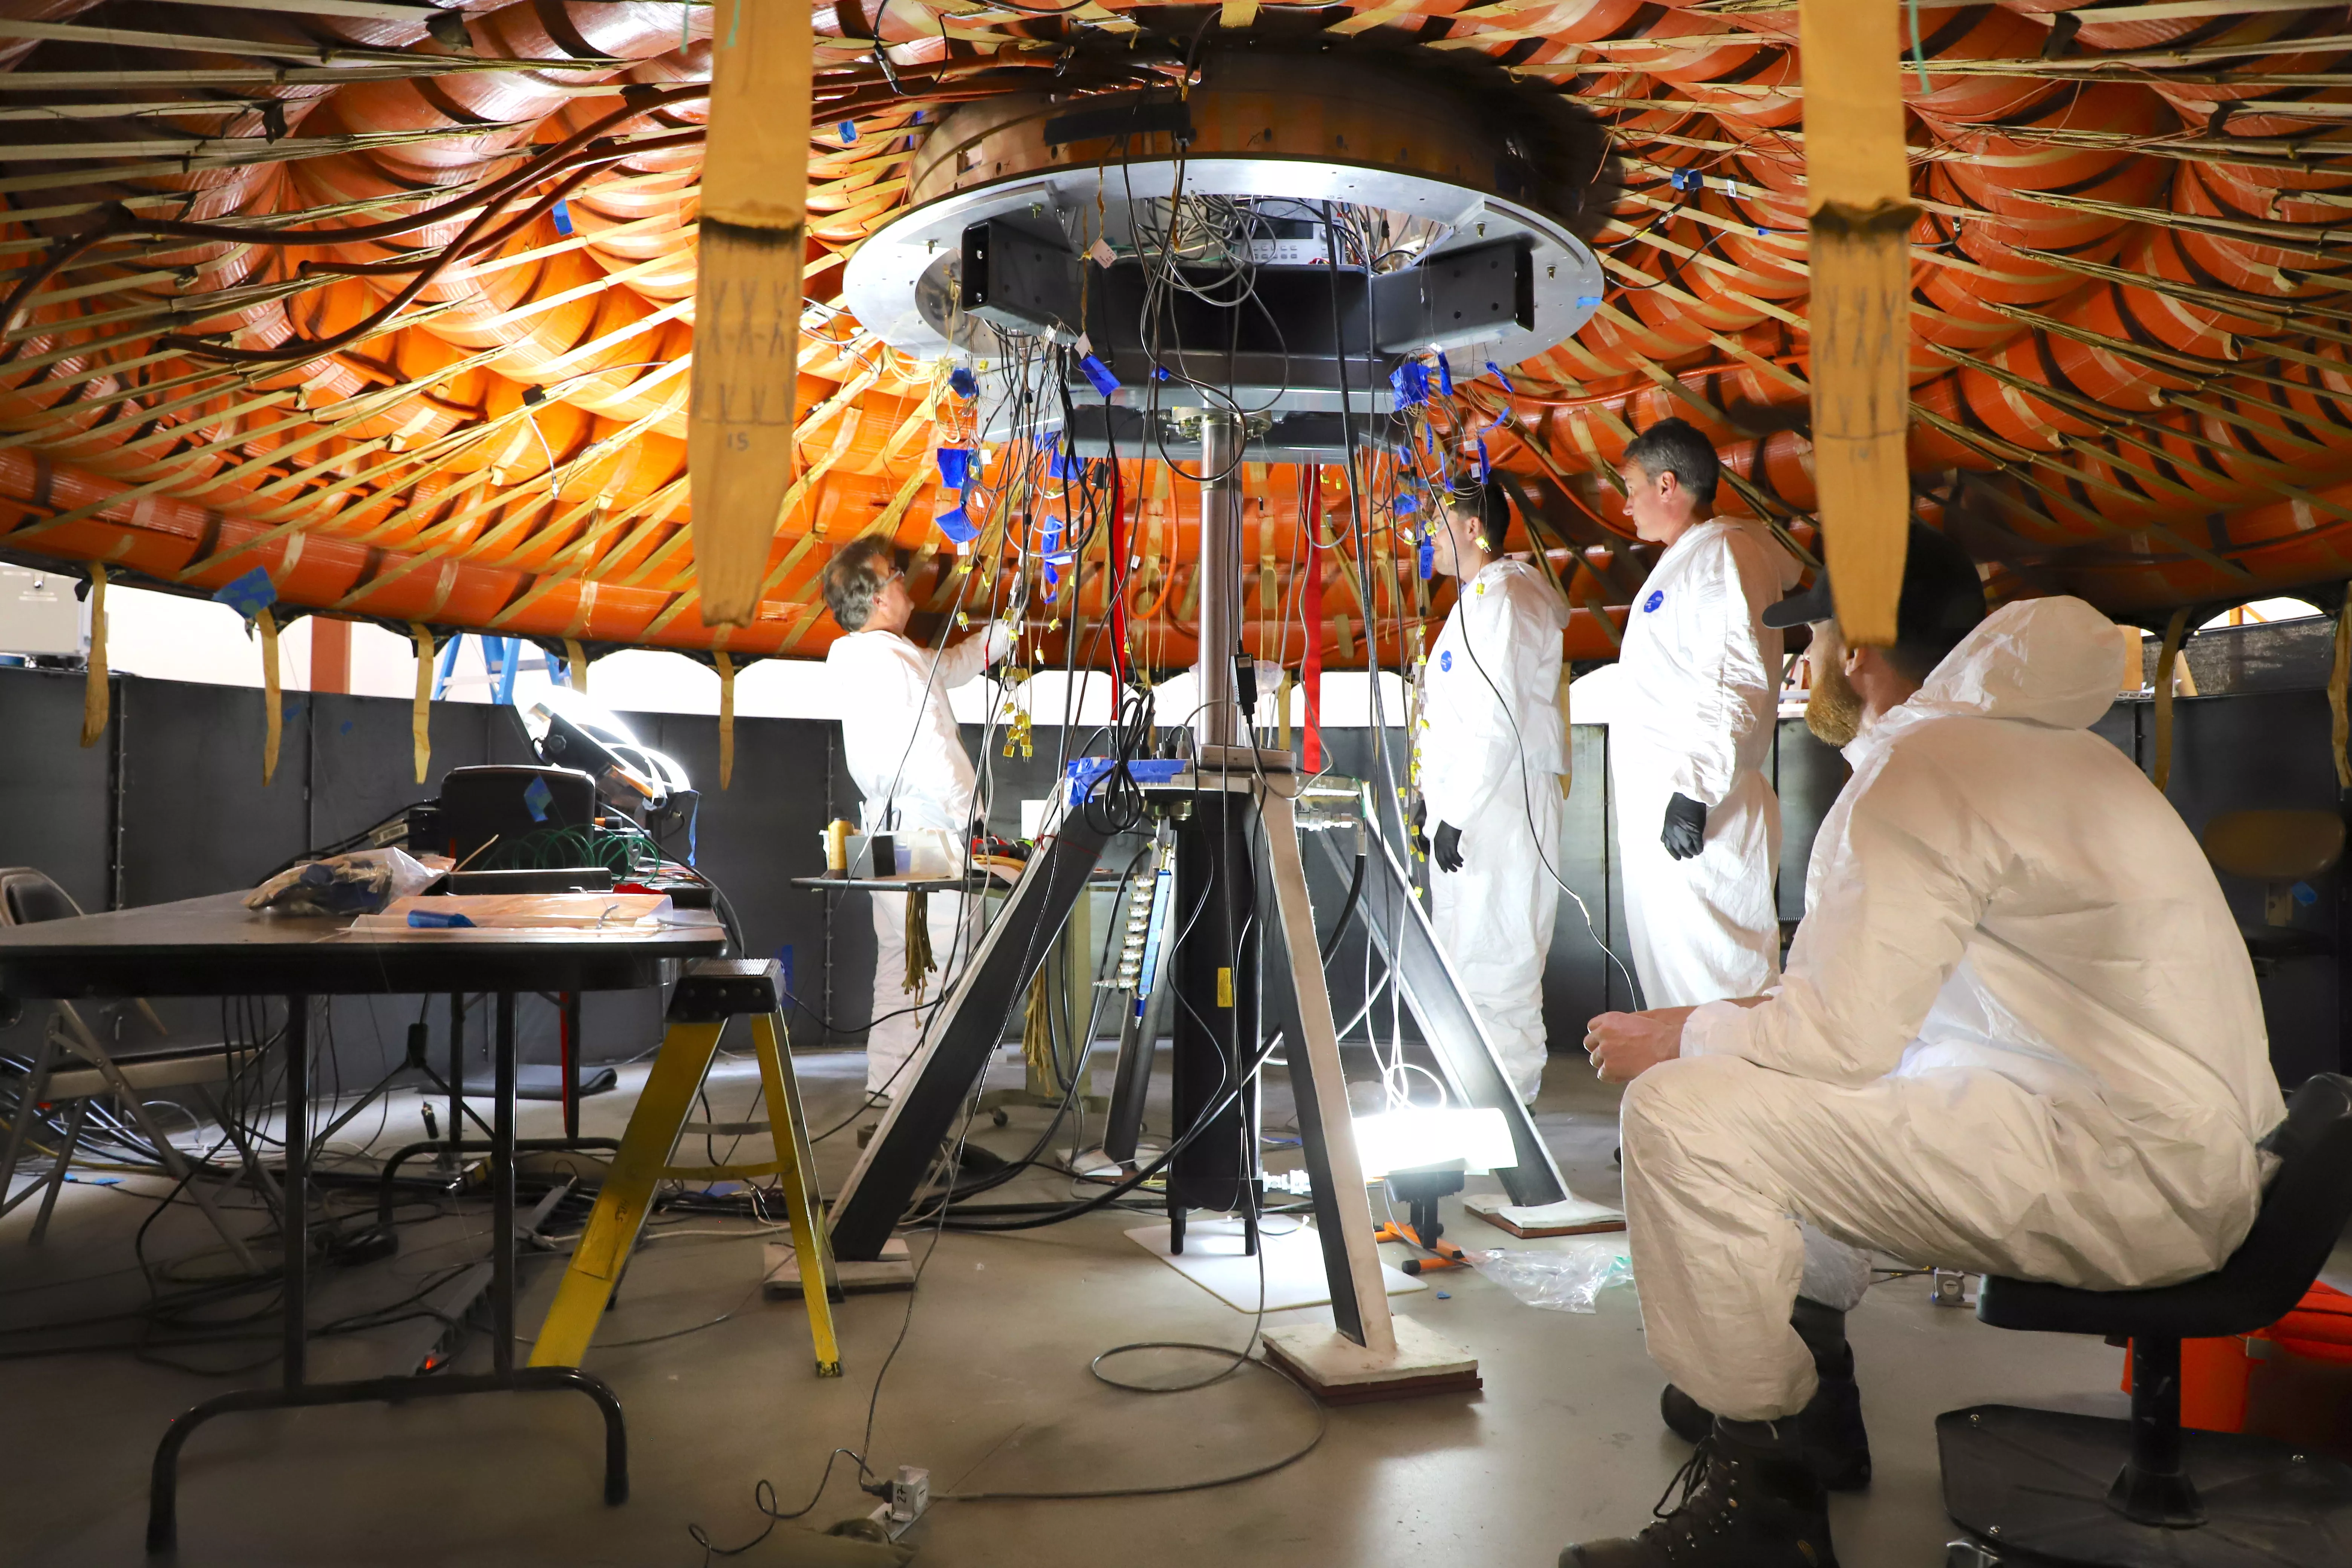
(423, 919)
(1428, 559)
(1444, 376)
(1163, 894)
(958, 527)
(1099, 374)
(1086, 772)
(1410, 382)
(250, 594)
(848, 131)
(962, 383)
(956, 467)
(1593, 302)
(561, 214)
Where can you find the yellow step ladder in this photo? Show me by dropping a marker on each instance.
(711, 991)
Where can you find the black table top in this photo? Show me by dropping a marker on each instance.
(216, 947)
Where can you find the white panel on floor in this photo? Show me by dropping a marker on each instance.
(1291, 1262)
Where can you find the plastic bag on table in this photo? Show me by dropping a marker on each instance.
(1567, 1281)
(360, 883)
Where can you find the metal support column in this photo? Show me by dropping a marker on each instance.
(1217, 724)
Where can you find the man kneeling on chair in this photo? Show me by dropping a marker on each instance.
(2018, 1033)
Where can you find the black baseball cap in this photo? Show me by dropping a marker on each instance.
(1942, 595)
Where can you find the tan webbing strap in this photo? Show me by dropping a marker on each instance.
(2339, 677)
(97, 698)
(273, 718)
(575, 664)
(2165, 660)
(420, 730)
(726, 718)
(920, 962)
(1566, 735)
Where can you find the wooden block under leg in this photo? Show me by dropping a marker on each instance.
(1337, 1370)
(894, 1270)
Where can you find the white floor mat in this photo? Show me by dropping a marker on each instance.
(1292, 1255)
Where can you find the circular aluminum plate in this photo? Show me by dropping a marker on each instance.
(887, 281)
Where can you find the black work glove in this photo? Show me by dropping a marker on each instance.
(1415, 829)
(1448, 853)
(1685, 830)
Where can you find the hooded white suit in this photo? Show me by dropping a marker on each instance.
(906, 755)
(1695, 701)
(2019, 1033)
(1488, 754)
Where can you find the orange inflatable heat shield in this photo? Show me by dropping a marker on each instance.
(2291, 1381)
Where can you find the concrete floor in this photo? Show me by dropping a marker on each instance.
(989, 1390)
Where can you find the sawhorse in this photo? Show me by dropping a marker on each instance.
(712, 992)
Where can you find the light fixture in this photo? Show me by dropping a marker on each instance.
(1429, 1138)
(568, 731)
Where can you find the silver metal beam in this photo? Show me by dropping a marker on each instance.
(1218, 723)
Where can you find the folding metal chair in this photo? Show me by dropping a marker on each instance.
(73, 1067)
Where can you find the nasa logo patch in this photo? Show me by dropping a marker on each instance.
(1446, 659)
(1657, 596)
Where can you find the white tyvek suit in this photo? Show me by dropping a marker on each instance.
(2019, 1032)
(906, 755)
(1487, 753)
(1695, 699)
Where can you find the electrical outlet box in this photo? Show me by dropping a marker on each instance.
(911, 1494)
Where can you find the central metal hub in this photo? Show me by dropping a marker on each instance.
(1191, 241)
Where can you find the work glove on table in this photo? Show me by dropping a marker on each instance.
(1415, 830)
(1685, 831)
(1448, 850)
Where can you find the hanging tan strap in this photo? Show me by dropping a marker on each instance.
(920, 962)
(2339, 677)
(575, 664)
(727, 726)
(274, 716)
(1566, 735)
(2165, 660)
(98, 696)
(754, 210)
(1036, 1036)
(1858, 196)
(420, 730)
